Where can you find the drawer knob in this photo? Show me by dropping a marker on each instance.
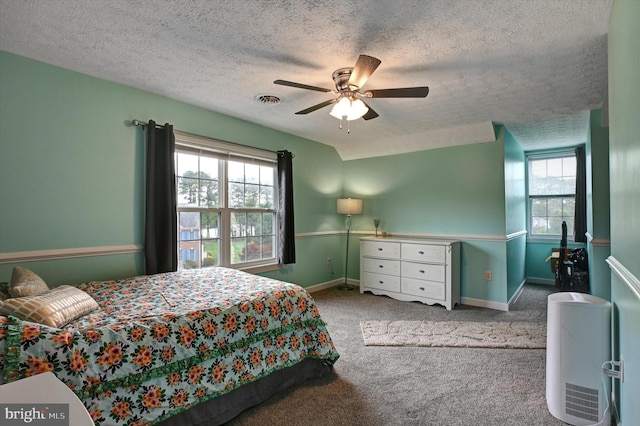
(420, 252)
(380, 282)
(380, 266)
(421, 271)
(421, 288)
(379, 248)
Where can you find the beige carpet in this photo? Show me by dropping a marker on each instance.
(518, 335)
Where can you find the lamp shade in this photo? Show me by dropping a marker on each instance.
(349, 206)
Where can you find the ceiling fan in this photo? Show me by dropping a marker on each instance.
(349, 82)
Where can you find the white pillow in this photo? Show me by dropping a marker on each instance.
(54, 308)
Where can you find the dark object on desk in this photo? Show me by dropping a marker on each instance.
(579, 259)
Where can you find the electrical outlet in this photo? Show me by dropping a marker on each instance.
(329, 261)
(488, 275)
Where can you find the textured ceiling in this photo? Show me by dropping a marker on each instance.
(536, 66)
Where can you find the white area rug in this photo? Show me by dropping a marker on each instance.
(519, 335)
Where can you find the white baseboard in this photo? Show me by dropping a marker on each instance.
(517, 294)
(332, 283)
(481, 303)
(484, 303)
(544, 281)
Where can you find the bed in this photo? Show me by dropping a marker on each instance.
(186, 347)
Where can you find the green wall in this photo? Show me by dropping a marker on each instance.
(456, 192)
(72, 177)
(516, 213)
(597, 158)
(599, 248)
(515, 185)
(76, 180)
(71, 172)
(624, 161)
(598, 165)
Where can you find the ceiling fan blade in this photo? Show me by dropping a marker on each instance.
(371, 114)
(300, 85)
(318, 106)
(365, 66)
(405, 92)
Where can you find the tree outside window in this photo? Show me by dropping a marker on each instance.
(226, 211)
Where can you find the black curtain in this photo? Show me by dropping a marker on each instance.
(161, 228)
(286, 228)
(580, 220)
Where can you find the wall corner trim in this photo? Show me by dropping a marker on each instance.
(515, 235)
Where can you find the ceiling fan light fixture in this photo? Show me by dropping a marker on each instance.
(349, 81)
(358, 109)
(349, 109)
(341, 108)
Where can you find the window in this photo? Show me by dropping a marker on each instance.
(552, 188)
(226, 204)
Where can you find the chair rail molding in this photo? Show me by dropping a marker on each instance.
(625, 275)
(69, 253)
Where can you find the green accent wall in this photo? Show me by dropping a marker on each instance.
(624, 161)
(476, 257)
(514, 185)
(457, 192)
(597, 159)
(72, 175)
(598, 168)
(515, 213)
(81, 184)
(72, 171)
(598, 219)
(537, 269)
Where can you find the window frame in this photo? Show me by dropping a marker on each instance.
(546, 155)
(224, 152)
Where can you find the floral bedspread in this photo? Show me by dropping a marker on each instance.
(162, 343)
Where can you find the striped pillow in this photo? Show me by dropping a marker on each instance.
(55, 308)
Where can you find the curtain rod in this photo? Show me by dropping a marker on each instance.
(142, 123)
(136, 122)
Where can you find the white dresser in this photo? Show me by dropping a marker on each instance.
(411, 269)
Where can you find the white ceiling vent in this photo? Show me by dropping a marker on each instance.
(269, 99)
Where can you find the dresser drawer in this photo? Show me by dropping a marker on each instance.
(424, 252)
(421, 288)
(381, 266)
(424, 271)
(381, 248)
(382, 282)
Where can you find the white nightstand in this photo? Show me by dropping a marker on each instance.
(45, 388)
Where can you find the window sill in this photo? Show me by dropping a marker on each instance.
(544, 240)
(555, 241)
(256, 269)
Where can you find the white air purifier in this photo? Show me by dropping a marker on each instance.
(578, 343)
